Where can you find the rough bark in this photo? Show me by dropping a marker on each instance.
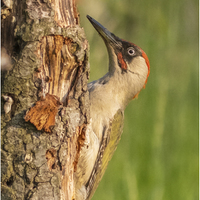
(45, 106)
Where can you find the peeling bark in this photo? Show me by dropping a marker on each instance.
(43, 129)
(43, 114)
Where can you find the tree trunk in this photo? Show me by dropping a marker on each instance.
(45, 102)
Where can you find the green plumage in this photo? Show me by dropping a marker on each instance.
(107, 148)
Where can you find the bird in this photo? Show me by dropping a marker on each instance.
(128, 72)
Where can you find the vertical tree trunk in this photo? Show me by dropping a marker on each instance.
(45, 106)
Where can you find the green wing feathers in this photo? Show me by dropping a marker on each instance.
(111, 137)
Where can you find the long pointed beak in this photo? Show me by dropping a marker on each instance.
(107, 36)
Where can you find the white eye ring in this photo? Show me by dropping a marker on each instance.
(131, 51)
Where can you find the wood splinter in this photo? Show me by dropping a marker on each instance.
(42, 115)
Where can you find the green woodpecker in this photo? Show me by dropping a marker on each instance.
(128, 72)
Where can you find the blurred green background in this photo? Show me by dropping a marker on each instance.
(157, 157)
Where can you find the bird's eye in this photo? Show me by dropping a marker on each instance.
(131, 51)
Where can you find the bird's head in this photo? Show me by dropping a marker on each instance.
(125, 58)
